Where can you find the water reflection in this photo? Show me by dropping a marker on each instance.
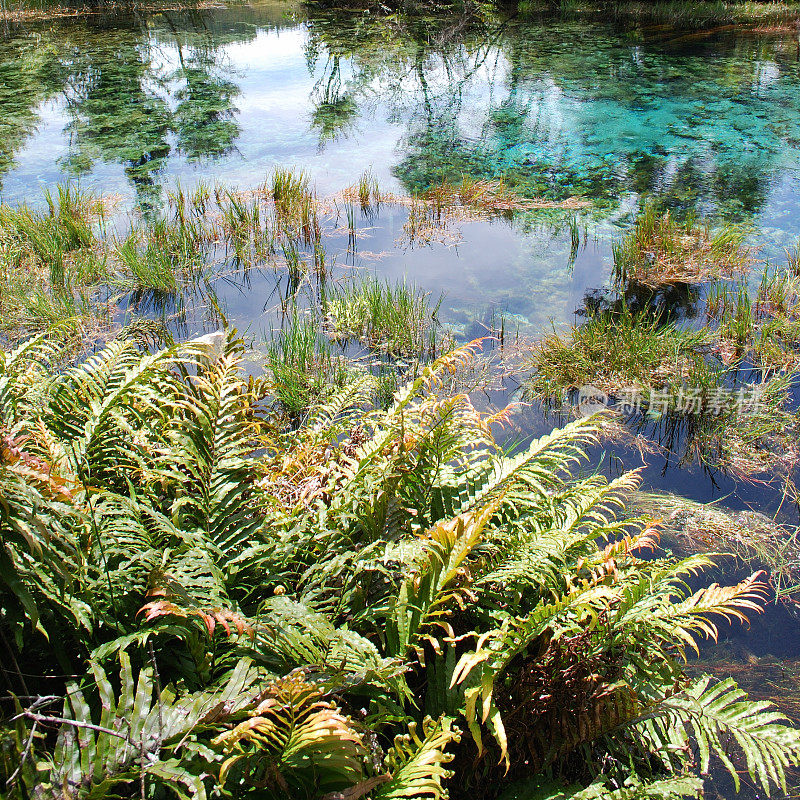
(134, 90)
(704, 124)
(131, 102)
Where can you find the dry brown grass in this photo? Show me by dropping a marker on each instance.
(434, 216)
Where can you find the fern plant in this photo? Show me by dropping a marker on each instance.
(324, 610)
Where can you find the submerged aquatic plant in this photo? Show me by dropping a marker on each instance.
(752, 539)
(369, 193)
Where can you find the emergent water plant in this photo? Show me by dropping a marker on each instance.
(661, 251)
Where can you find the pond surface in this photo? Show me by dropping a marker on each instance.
(706, 121)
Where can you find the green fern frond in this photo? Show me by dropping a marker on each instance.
(719, 719)
(656, 606)
(132, 733)
(293, 742)
(430, 594)
(417, 765)
(527, 478)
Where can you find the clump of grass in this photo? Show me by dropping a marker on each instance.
(294, 264)
(619, 351)
(733, 309)
(301, 365)
(753, 539)
(759, 442)
(296, 206)
(399, 320)
(660, 251)
(793, 260)
(288, 188)
(50, 240)
(433, 215)
(490, 195)
(369, 193)
(777, 345)
(145, 268)
(320, 261)
(241, 225)
(765, 329)
(352, 232)
(190, 206)
(49, 262)
(160, 257)
(190, 211)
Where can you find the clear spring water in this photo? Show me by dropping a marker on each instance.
(129, 103)
(706, 120)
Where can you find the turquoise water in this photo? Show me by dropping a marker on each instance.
(705, 121)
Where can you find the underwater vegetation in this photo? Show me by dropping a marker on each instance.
(124, 108)
(752, 539)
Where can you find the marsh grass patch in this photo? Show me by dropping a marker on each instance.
(661, 251)
(302, 367)
(399, 320)
(761, 327)
(618, 351)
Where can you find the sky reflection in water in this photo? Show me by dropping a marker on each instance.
(706, 122)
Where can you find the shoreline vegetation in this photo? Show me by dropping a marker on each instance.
(635, 344)
(767, 16)
(331, 578)
(74, 257)
(377, 602)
